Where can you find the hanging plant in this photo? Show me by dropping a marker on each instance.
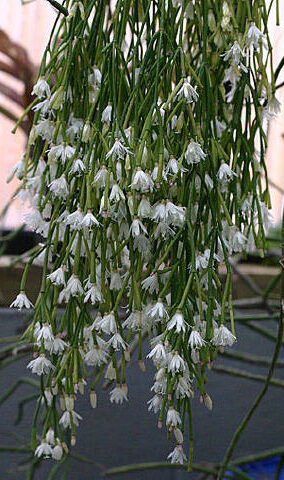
(143, 172)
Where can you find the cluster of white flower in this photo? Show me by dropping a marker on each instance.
(141, 180)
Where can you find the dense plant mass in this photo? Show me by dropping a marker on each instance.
(143, 171)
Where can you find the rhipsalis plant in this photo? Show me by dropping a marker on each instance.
(143, 171)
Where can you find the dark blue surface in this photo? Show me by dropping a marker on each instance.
(262, 470)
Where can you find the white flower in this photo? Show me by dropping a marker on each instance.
(57, 277)
(43, 107)
(177, 322)
(73, 289)
(235, 53)
(134, 321)
(59, 187)
(116, 194)
(118, 395)
(118, 150)
(188, 92)
(117, 342)
(40, 365)
(223, 337)
(266, 216)
(95, 78)
(107, 324)
(93, 294)
(144, 208)
(100, 177)
(195, 340)
(57, 346)
(62, 152)
(142, 181)
(173, 417)
(208, 182)
(41, 89)
(232, 75)
(158, 353)
(237, 241)
(65, 420)
(43, 450)
(21, 301)
(254, 37)
(159, 212)
(89, 220)
(57, 98)
(151, 283)
(194, 153)
(175, 214)
(96, 356)
(50, 434)
(137, 228)
(155, 403)
(106, 115)
(273, 106)
(75, 219)
(78, 167)
(45, 334)
(57, 452)
(177, 455)
(176, 363)
(225, 174)
(158, 311)
(115, 281)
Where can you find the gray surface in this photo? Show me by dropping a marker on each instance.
(115, 435)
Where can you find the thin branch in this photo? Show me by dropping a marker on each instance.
(248, 375)
(59, 7)
(259, 398)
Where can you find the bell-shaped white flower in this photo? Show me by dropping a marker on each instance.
(57, 277)
(118, 395)
(40, 365)
(223, 337)
(173, 418)
(195, 340)
(177, 455)
(255, 37)
(59, 187)
(188, 92)
(41, 89)
(177, 322)
(194, 153)
(21, 301)
(43, 450)
(106, 115)
(158, 353)
(65, 420)
(142, 181)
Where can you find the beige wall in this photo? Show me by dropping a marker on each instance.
(30, 25)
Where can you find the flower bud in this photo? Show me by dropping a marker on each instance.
(208, 401)
(57, 98)
(86, 132)
(93, 399)
(57, 452)
(178, 435)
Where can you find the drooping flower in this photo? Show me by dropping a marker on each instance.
(194, 153)
(118, 395)
(40, 365)
(177, 455)
(223, 337)
(21, 301)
